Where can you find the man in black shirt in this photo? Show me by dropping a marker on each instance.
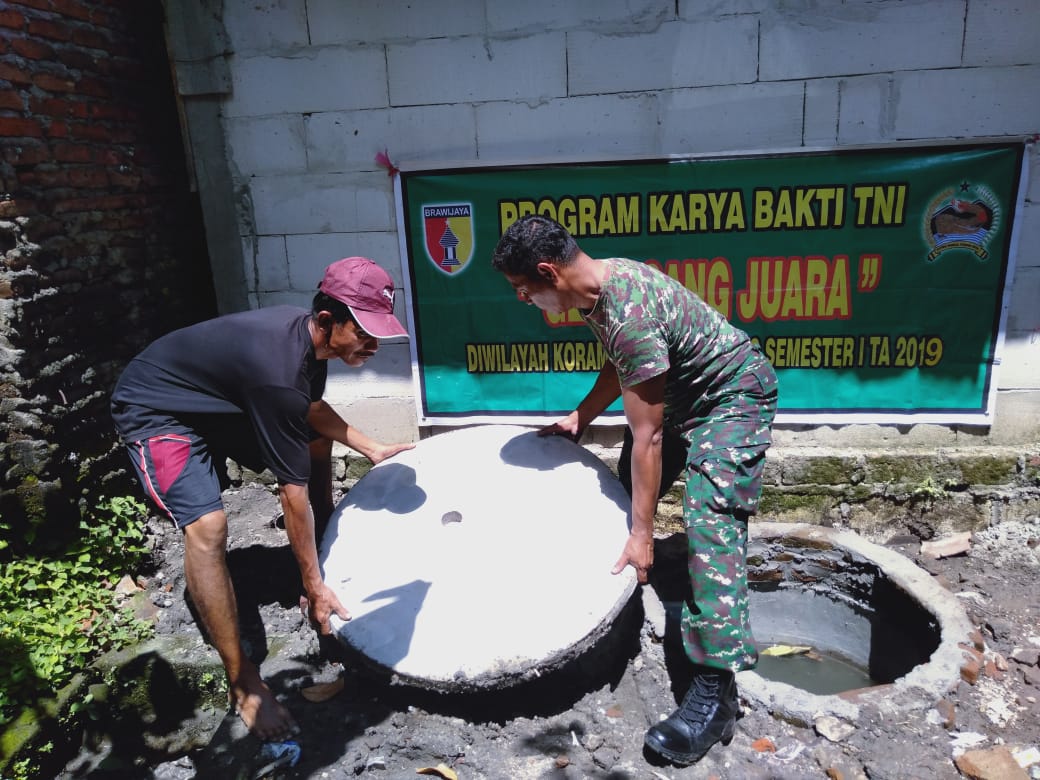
(249, 386)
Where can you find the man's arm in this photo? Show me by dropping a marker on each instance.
(324, 419)
(299, 517)
(299, 527)
(644, 410)
(603, 393)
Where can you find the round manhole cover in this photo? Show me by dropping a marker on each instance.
(479, 559)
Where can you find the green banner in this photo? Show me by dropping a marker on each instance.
(873, 279)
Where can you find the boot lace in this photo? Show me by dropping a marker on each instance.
(699, 701)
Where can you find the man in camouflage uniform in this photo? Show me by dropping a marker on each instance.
(699, 397)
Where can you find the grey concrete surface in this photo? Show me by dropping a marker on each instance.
(451, 558)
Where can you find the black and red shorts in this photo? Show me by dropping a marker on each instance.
(179, 473)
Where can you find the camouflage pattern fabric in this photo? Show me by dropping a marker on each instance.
(720, 398)
(723, 486)
(650, 324)
(716, 622)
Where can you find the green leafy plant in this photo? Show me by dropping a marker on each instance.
(58, 610)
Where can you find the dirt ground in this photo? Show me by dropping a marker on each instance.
(587, 721)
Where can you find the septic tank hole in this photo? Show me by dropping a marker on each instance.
(865, 623)
(828, 620)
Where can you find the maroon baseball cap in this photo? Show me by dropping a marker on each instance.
(368, 291)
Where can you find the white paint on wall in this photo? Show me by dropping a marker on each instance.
(308, 79)
(267, 145)
(820, 40)
(969, 103)
(309, 254)
(566, 129)
(676, 54)
(322, 203)
(262, 25)
(748, 117)
(346, 21)
(534, 16)
(1001, 32)
(350, 140)
(474, 69)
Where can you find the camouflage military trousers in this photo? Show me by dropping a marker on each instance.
(722, 455)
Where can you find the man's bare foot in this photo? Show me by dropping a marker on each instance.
(263, 714)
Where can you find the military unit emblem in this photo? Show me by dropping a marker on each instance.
(966, 217)
(448, 232)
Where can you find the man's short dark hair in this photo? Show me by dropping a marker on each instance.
(340, 311)
(529, 241)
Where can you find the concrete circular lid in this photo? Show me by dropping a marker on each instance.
(479, 559)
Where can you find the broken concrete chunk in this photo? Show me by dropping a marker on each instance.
(832, 728)
(1027, 656)
(955, 544)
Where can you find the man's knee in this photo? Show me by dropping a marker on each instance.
(208, 534)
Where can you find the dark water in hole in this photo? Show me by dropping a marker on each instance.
(816, 672)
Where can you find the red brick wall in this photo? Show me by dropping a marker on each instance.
(101, 242)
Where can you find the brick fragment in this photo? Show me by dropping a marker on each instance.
(970, 669)
(72, 9)
(12, 20)
(16, 127)
(977, 639)
(53, 31)
(992, 764)
(948, 712)
(31, 49)
(51, 83)
(15, 74)
(92, 39)
(58, 107)
(11, 100)
(43, 5)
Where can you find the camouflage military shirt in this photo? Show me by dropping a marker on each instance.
(650, 324)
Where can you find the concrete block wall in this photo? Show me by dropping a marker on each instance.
(318, 87)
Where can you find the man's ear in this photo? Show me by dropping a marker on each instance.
(324, 320)
(547, 271)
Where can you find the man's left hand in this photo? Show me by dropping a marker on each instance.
(639, 554)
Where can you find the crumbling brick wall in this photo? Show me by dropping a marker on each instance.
(101, 238)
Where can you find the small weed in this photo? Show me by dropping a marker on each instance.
(928, 490)
(210, 681)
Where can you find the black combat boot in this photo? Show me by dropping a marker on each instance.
(708, 714)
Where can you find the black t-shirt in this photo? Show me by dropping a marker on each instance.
(257, 366)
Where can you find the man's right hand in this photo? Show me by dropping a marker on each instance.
(319, 605)
(569, 427)
(381, 452)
